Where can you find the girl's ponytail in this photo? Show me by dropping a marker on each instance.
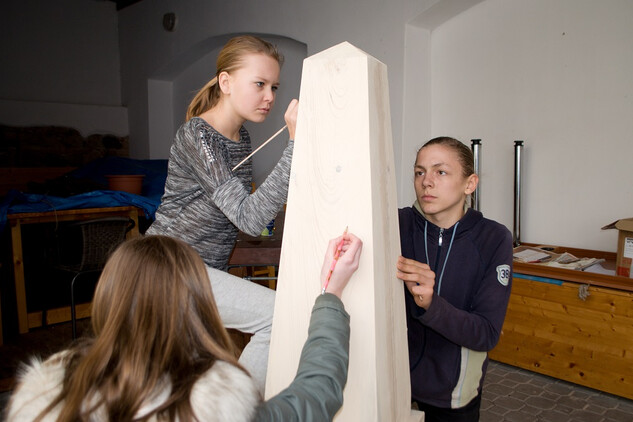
(206, 98)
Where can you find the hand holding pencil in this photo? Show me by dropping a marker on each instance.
(341, 261)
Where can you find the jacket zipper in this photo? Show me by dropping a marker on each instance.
(439, 250)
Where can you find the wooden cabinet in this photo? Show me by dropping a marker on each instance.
(553, 328)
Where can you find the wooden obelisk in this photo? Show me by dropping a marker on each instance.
(343, 175)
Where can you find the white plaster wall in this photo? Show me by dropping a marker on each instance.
(63, 51)
(417, 108)
(60, 65)
(556, 74)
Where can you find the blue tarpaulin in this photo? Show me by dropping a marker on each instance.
(18, 202)
(155, 172)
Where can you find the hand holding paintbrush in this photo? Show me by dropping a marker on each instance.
(291, 123)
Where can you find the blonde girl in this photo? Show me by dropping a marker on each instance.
(206, 203)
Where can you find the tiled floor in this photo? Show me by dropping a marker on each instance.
(512, 394)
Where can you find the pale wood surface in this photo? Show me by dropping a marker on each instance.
(343, 175)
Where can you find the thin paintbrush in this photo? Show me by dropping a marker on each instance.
(260, 147)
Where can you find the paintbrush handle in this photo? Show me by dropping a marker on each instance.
(260, 147)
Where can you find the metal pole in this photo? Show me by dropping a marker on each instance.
(476, 147)
(518, 147)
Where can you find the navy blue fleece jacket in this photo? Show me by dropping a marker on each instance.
(448, 343)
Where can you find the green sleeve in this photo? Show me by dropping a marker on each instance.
(316, 393)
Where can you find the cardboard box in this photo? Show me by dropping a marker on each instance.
(625, 246)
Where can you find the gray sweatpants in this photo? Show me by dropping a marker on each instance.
(247, 307)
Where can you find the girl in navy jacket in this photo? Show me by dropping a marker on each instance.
(457, 270)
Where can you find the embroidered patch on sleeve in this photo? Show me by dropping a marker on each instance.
(503, 274)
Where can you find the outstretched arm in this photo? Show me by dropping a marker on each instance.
(316, 393)
(250, 212)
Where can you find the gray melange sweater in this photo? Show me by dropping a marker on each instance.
(205, 203)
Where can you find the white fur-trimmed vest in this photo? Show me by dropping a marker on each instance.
(224, 393)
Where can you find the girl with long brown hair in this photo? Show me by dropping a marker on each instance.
(206, 203)
(160, 351)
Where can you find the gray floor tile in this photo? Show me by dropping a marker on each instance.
(516, 395)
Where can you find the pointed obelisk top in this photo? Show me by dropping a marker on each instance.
(341, 50)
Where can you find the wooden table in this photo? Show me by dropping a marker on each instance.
(16, 221)
(259, 250)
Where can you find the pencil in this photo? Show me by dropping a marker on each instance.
(337, 252)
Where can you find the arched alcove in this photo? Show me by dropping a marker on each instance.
(171, 88)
